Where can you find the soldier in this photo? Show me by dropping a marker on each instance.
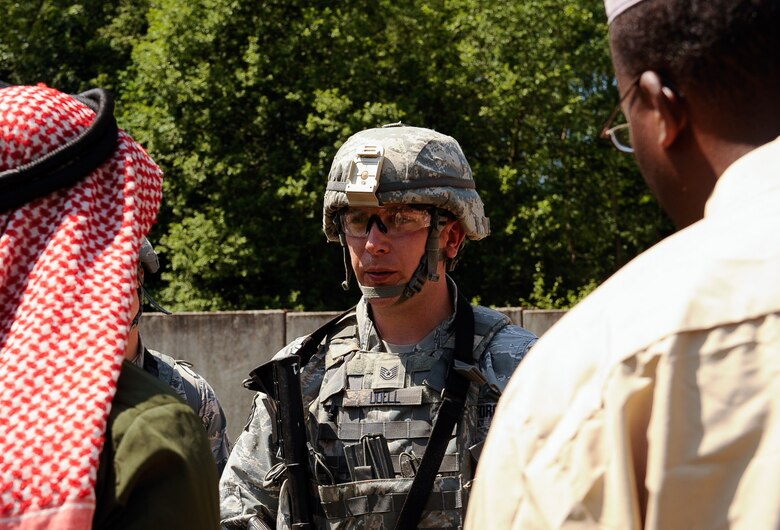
(401, 201)
(178, 374)
(661, 406)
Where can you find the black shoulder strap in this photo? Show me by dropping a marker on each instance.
(189, 380)
(312, 343)
(308, 348)
(450, 412)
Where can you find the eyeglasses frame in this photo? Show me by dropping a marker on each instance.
(608, 130)
(423, 208)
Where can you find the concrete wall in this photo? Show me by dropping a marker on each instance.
(540, 320)
(225, 347)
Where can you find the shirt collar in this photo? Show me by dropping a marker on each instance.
(746, 181)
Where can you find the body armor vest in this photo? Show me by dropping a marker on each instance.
(396, 395)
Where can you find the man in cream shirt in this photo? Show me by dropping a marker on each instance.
(655, 403)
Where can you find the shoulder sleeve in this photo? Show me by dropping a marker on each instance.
(243, 489)
(164, 471)
(504, 353)
(215, 422)
(210, 411)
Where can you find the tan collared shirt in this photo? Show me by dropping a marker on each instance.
(655, 403)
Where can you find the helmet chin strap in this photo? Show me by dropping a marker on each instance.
(143, 295)
(426, 270)
(137, 317)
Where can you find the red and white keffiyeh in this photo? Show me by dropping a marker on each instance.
(67, 267)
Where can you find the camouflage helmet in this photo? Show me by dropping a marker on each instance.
(147, 257)
(148, 262)
(401, 164)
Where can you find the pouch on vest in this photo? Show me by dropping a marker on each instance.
(377, 504)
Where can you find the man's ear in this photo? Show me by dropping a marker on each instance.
(453, 235)
(670, 113)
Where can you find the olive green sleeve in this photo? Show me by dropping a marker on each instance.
(156, 468)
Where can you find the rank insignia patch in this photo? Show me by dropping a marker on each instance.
(389, 372)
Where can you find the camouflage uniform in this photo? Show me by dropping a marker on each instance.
(337, 385)
(196, 392)
(357, 384)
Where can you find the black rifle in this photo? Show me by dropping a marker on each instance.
(279, 379)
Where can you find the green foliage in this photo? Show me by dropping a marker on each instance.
(72, 46)
(244, 104)
(545, 296)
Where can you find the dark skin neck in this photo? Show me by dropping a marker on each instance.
(709, 146)
(726, 139)
(697, 177)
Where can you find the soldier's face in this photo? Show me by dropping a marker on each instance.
(135, 303)
(131, 347)
(383, 256)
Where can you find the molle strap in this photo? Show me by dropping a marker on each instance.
(388, 503)
(392, 430)
(350, 504)
(449, 464)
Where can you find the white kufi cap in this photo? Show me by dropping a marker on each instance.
(615, 7)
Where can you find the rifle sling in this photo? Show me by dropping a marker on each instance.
(312, 343)
(258, 378)
(450, 412)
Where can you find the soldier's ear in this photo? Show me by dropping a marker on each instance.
(452, 236)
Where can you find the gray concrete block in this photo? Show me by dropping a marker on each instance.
(303, 323)
(538, 321)
(515, 314)
(223, 347)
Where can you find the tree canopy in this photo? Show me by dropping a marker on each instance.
(244, 104)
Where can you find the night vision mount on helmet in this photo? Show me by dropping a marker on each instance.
(396, 164)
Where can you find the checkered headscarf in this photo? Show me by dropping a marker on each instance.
(67, 270)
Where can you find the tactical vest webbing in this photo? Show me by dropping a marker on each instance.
(352, 401)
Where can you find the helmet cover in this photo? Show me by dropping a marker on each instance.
(419, 166)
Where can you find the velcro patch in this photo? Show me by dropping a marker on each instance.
(360, 364)
(389, 372)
